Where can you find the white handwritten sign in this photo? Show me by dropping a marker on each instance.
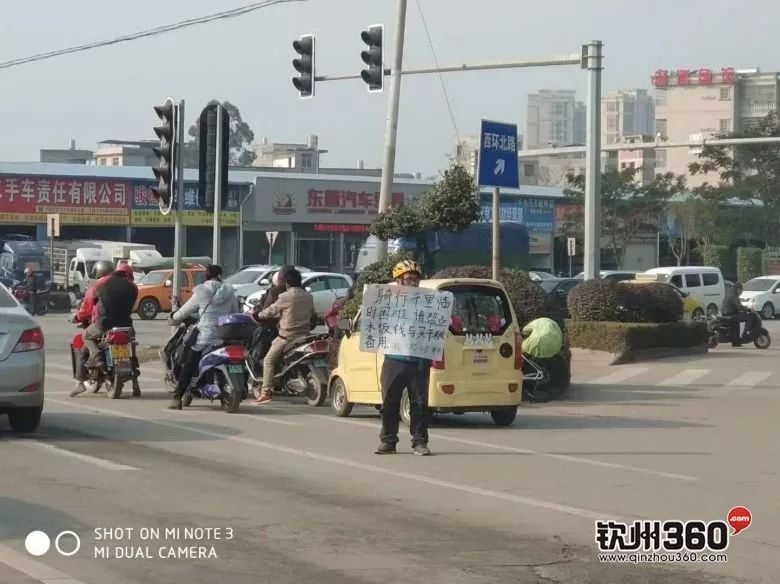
(404, 320)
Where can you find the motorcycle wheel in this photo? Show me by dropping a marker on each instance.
(230, 396)
(93, 385)
(763, 340)
(114, 386)
(713, 341)
(315, 391)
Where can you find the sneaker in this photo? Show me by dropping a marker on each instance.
(264, 398)
(80, 388)
(385, 448)
(136, 391)
(421, 450)
(175, 404)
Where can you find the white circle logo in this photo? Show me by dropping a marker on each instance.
(75, 549)
(37, 543)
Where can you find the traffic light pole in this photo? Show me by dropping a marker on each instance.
(391, 128)
(178, 234)
(215, 249)
(592, 255)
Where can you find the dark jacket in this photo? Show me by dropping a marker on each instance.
(731, 304)
(117, 299)
(271, 296)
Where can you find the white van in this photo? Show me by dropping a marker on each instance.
(705, 284)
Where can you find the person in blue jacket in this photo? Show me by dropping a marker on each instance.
(411, 373)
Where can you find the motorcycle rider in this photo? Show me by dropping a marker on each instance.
(211, 300)
(734, 313)
(31, 283)
(268, 329)
(101, 272)
(295, 311)
(400, 372)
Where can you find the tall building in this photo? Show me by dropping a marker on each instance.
(580, 122)
(691, 105)
(626, 113)
(552, 114)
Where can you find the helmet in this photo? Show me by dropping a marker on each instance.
(404, 267)
(102, 268)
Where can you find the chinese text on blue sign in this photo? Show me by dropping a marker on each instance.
(404, 320)
(498, 155)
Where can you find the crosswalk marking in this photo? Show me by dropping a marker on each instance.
(684, 378)
(619, 376)
(750, 379)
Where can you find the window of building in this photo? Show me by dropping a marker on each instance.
(725, 126)
(661, 127)
(307, 160)
(102, 162)
(115, 161)
(529, 170)
(660, 158)
(612, 106)
(725, 93)
(560, 109)
(612, 123)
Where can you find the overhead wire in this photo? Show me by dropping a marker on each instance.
(225, 14)
(441, 76)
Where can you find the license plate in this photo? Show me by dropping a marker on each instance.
(478, 340)
(120, 352)
(480, 359)
(323, 363)
(235, 368)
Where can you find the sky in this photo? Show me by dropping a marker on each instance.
(108, 93)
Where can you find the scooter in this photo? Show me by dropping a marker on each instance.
(119, 362)
(720, 331)
(24, 296)
(220, 374)
(303, 370)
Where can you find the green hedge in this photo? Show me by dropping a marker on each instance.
(619, 337)
(750, 263)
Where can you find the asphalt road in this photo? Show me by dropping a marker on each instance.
(299, 496)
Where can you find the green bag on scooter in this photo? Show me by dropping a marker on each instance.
(542, 338)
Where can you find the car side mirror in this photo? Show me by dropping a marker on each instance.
(308, 288)
(168, 283)
(265, 282)
(345, 325)
(561, 292)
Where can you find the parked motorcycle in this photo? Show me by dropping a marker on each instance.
(303, 370)
(24, 296)
(719, 329)
(119, 362)
(220, 374)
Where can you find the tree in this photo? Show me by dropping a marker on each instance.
(693, 220)
(451, 204)
(241, 137)
(749, 173)
(628, 209)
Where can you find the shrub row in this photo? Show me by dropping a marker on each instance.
(607, 301)
(619, 337)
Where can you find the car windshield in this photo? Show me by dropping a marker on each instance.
(479, 309)
(548, 285)
(153, 278)
(6, 300)
(759, 285)
(245, 277)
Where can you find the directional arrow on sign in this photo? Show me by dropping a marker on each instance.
(500, 166)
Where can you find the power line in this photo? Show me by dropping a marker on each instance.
(232, 13)
(441, 76)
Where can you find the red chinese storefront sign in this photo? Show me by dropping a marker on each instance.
(347, 202)
(340, 228)
(41, 195)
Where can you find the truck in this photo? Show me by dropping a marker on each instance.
(72, 263)
(18, 254)
(472, 246)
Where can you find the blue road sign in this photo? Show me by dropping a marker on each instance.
(498, 155)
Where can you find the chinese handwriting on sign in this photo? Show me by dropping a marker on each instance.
(403, 320)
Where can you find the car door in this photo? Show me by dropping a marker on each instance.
(187, 285)
(339, 286)
(358, 369)
(318, 287)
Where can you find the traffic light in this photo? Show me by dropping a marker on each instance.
(207, 164)
(374, 76)
(304, 65)
(165, 171)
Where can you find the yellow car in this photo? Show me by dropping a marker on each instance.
(481, 369)
(693, 309)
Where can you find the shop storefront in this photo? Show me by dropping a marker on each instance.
(321, 220)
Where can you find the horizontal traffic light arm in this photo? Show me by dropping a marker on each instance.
(570, 59)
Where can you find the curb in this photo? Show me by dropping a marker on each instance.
(657, 353)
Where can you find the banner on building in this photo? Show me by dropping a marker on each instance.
(146, 209)
(404, 320)
(538, 215)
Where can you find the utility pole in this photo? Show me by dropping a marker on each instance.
(391, 128)
(496, 232)
(592, 257)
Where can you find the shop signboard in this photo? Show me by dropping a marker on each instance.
(146, 211)
(78, 200)
(538, 215)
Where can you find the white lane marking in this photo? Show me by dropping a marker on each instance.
(618, 376)
(101, 462)
(34, 569)
(413, 477)
(684, 378)
(750, 379)
(563, 457)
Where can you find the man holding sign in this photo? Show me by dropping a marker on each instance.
(408, 325)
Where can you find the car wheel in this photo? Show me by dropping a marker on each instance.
(148, 309)
(25, 420)
(768, 311)
(712, 310)
(697, 314)
(406, 409)
(338, 399)
(504, 416)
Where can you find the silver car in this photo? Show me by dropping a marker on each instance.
(22, 365)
